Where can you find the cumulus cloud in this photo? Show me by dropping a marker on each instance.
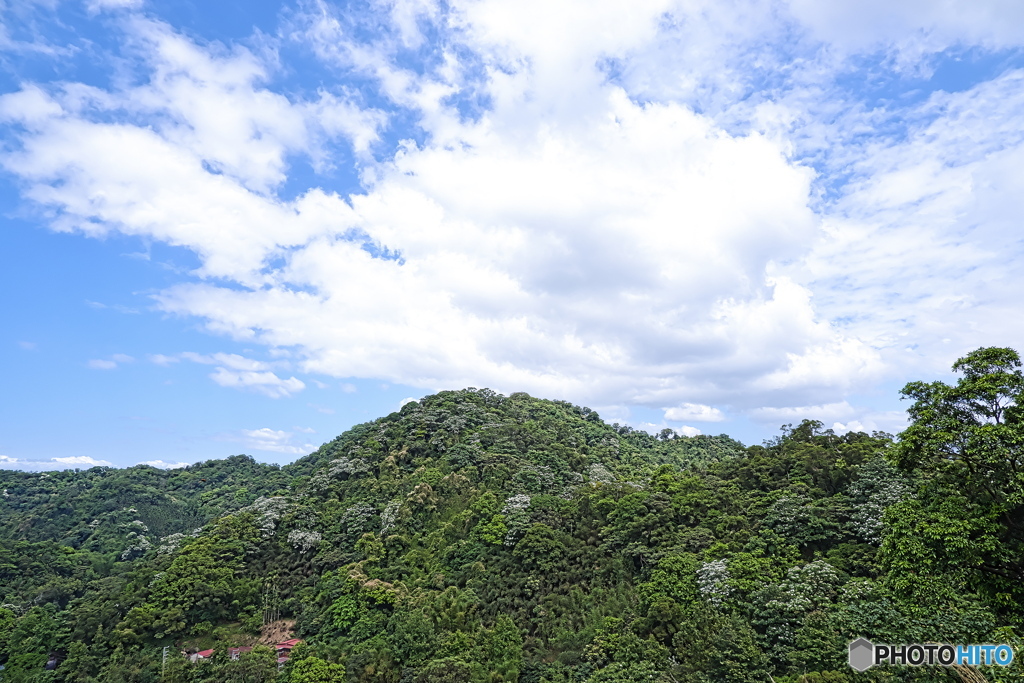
(918, 256)
(160, 464)
(110, 364)
(82, 460)
(828, 411)
(266, 383)
(276, 441)
(851, 426)
(239, 372)
(693, 412)
(65, 463)
(612, 214)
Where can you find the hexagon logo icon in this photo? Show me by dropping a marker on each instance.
(862, 654)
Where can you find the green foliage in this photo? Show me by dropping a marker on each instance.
(482, 538)
(965, 445)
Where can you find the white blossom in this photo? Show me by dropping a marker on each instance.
(137, 543)
(712, 582)
(389, 516)
(516, 503)
(268, 513)
(303, 540)
(878, 486)
(169, 544)
(516, 517)
(598, 473)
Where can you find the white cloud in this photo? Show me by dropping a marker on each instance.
(406, 401)
(70, 462)
(687, 430)
(82, 460)
(650, 427)
(919, 255)
(239, 372)
(693, 412)
(160, 464)
(99, 5)
(913, 26)
(851, 426)
(277, 441)
(642, 207)
(111, 364)
(349, 388)
(792, 414)
(626, 221)
(266, 383)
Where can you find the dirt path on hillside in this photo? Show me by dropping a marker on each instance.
(273, 633)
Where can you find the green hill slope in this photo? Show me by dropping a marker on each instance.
(477, 537)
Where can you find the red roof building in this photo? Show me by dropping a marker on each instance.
(284, 649)
(202, 654)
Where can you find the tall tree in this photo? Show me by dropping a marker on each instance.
(966, 443)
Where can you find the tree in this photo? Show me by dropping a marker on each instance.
(966, 443)
(316, 670)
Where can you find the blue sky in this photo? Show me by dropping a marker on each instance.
(242, 227)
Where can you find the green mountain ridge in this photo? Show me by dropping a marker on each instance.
(472, 536)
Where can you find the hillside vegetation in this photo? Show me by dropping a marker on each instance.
(480, 538)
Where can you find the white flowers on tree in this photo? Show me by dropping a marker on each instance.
(389, 517)
(137, 543)
(598, 473)
(516, 503)
(169, 544)
(878, 486)
(782, 608)
(516, 517)
(304, 541)
(712, 582)
(268, 512)
(357, 520)
(345, 468)
(340, 469)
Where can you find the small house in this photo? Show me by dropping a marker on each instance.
(236, 652)
(284, 649)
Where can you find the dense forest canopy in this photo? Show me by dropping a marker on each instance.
(476, 537)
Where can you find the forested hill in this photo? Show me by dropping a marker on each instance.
(97, 509)
(477, 537)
